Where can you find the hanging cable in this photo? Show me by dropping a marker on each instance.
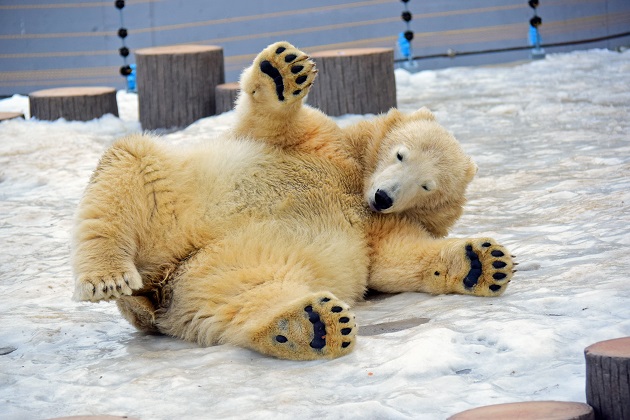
(405, 38)
(534, 36)
(126, 70)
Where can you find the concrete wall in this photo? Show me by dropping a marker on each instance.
(53, 43)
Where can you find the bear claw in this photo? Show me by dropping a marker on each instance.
(106, 285)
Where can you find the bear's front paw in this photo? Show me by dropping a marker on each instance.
(289, 69)
(320, 326)
(96, 286)
(488, 268)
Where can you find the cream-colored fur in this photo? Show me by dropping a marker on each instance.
(260, 244)
(229, 241)
(428, 185)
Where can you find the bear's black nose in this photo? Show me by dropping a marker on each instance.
(382, 201)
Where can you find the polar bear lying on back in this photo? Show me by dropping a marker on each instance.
(244, 242)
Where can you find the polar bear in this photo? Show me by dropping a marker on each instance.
(411, 165)
(241, 241)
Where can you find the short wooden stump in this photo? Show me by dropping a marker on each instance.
(10, 115)
(531, 410)
(73, 103)
(176, 84)
(225, 97)
(608, 378)
(354, 81)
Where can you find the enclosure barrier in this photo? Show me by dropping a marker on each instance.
(73, 103)
(607, 391)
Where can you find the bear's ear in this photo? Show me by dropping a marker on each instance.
(471, 170)
(423, 114)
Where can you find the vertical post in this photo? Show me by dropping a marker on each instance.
(534, 35)
(405, 38)
(608, 378)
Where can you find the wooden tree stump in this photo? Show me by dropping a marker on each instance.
(354, 81)
(225, 97)
(73, 103)
(531, 410)
(608, 378)
(176, 84)
(10, 115)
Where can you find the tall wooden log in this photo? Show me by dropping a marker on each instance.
(73, 103)
(176, 84)
(225, 97)
(354, 81)
(530, 410)
(608, 378)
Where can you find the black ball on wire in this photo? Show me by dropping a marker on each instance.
(125, 70)
(122, 32)
(119, 4)
(536, 21)
(533, 3)
(124, 51)
(409, 35)
(406, 16)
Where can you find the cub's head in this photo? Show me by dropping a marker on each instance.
(419, 165)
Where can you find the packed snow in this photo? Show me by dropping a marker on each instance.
(552, 141)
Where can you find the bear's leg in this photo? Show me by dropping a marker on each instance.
(139, 311)
(119, 206)
(413, 263)
(298, 324)
(270, 105)
(258, 299)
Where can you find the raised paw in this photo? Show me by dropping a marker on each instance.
(319, 326)
(488, 268)
(97, 286)
(289, 69)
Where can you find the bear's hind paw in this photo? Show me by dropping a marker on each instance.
(99, 286)
(320, 326)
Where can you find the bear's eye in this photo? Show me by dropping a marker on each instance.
(426, 187)
(399, 156)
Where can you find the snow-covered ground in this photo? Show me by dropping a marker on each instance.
(552, 141)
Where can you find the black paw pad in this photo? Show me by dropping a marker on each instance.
(495, 287)
(280, 50)
(345, 344)
(267, 68)
(289, 58)
(300, 79)
(319, 329)
(472, 278)
(281, 339)
(296, 69)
